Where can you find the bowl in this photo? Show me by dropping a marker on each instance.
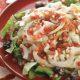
(6, 58)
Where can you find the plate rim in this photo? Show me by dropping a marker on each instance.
(2, 17)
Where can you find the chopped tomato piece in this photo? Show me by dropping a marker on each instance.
(64, 38)
(37, 26)
(30, 30)
(42, 46)
(37, 49)
(78, 63)
(59, 50)
(39, 35)
(43, 55)
(65, 34)
(74, 23)
(47, 30)
(54, 37)
(56, 25)
(57, 15)
(48, 14)
(76, 44)
(34, 17)
(65, 27)
(51, 44)
(66, 21)
(72, 27)
(35, 37)
(66, 45)
(52, 49)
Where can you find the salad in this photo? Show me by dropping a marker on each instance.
(46, 40)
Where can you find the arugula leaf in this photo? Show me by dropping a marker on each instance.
(9, 24)
(45, 70)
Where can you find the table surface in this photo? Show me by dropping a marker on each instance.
(5, 74)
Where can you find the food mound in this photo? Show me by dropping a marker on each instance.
(46, 41)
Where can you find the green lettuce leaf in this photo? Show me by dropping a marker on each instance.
(19, 14)
(68, 2)
(28, 66)
(45, 70)
(9, 24)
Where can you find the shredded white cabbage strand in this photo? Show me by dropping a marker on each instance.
(40, 60)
